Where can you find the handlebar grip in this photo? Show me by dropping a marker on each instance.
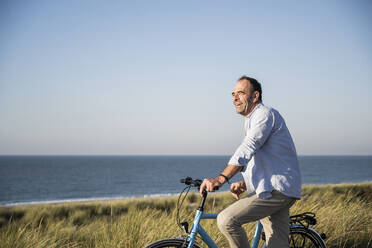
(187, 180)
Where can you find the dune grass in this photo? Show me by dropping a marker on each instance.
(344, 214)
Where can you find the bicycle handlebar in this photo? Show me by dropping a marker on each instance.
(195, 183)
(190, 181)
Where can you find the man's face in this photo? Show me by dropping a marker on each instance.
(243, 97)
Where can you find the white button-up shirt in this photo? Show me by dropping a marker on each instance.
(268, 155)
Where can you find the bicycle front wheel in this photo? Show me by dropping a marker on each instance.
(176, 243)
(302, 237)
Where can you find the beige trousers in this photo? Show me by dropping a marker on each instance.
(273, 213)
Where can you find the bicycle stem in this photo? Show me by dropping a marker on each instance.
(201, 206)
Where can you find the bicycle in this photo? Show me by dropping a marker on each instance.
(301, 234)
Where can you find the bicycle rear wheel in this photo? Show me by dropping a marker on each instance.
(302, 237)
(176, 243)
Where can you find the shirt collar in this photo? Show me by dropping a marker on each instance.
(250, 114)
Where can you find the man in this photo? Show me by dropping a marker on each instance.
(268, 161)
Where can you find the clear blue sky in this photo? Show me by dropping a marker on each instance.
(155, 77)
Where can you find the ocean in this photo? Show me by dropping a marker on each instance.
(49, 179)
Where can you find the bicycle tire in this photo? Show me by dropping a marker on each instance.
(175, 242)
(302, 237)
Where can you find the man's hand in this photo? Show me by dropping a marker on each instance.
(238, 188)
(209, 184)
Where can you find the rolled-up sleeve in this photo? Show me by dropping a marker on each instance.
(260, 129)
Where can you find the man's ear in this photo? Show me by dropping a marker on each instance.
(255, 96)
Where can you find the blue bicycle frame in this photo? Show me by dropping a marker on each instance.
(197, 228)
(299, 223)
